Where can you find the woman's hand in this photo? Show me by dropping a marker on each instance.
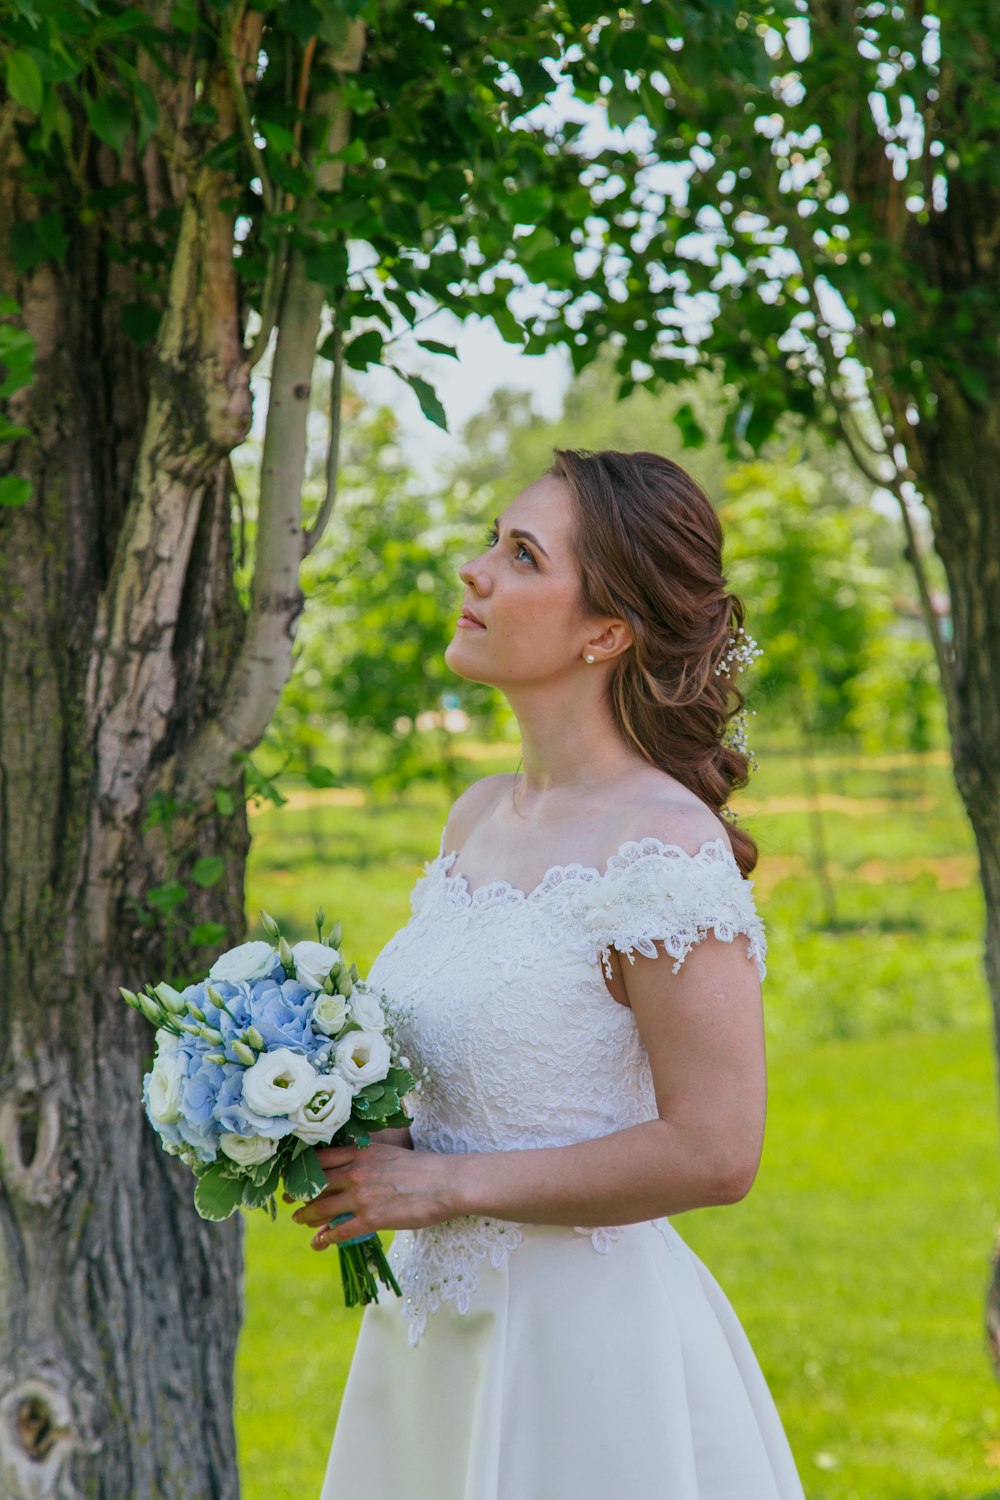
(383, 1187)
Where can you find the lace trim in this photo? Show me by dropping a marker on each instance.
(649, 892)
(440, 1264)
(657, 897)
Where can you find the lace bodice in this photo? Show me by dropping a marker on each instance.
(522, 1043)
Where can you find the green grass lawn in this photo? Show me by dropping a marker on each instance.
(859, 1261)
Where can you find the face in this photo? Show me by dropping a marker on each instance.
(525, 590)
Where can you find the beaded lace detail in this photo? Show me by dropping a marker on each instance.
(439, 1264)
(523, 1044)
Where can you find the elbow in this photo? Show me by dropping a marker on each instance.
(733, 1177)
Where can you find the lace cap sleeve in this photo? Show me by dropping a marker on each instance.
(658, 893)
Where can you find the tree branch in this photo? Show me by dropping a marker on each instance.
(263, 663)
(229, 34)
(843, 410)
(312, 536)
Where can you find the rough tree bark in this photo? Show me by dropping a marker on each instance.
(120, 638)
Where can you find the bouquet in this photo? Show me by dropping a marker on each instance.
(279, 1050)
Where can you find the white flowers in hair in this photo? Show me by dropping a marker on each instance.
(744, 651)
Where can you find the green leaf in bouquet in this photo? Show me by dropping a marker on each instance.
(262, 1170)
(355, 1131)
(400, 1079)
(397, 1121)
(371, 1092)
(218, 1194)
(257, 1194)
(378, 1109)
(304, 1177)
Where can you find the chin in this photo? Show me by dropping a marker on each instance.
(453, 661)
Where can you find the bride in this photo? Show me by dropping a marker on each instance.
(583, 970)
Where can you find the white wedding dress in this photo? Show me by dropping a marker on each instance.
(536, 1362)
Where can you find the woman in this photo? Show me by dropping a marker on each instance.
(557, 1340)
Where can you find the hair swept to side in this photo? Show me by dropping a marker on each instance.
(648, 544)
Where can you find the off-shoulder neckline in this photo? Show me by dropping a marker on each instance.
(715, 851)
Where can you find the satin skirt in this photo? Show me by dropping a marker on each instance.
(575, 1375)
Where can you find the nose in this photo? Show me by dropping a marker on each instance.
(474, 574)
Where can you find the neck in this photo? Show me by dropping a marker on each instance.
(571, 746)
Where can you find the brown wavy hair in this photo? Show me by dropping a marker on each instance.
(648, 544)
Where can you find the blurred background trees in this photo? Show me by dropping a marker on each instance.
(818, 561)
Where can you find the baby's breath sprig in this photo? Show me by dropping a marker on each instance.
(744, 651)
(736, 736)
(742, 648)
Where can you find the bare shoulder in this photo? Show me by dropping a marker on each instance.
(475, 803)
(672, 814)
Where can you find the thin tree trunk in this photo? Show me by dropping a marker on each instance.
(820, 862)
(958, 459)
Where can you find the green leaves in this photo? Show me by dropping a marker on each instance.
(24, 80)
(430, 403)
(33, 241)
(208, 935)
(322, 777)
(263, 1184)
(208, 870)
(14, 491)
(218, 1194)
(110, 117)
(305, 1177)
(166, 898)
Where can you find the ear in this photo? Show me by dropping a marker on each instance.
(615, 638)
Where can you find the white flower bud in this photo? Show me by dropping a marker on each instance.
(171, 999)
(150, 1009)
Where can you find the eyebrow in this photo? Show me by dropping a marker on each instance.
(527, 535)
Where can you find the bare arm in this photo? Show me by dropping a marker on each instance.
(703, 1032)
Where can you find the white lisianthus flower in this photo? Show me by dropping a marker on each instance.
(313, 962)
(247, 1150)
(329, 1108)
(165, 1083)
(367, 1010)
(362, 1057)
(279, 1082)
(166, 1041)
(329, 1014)
(248, 961)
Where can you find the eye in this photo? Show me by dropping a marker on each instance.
(492, 537)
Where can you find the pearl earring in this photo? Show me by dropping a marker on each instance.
(588, 657)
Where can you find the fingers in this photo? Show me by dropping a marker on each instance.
(326, 1236)
(336, 1156)
(320, 1209)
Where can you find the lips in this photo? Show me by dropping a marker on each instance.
(468, 615)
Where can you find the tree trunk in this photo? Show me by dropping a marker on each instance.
(958, 460)
(122, 1307)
